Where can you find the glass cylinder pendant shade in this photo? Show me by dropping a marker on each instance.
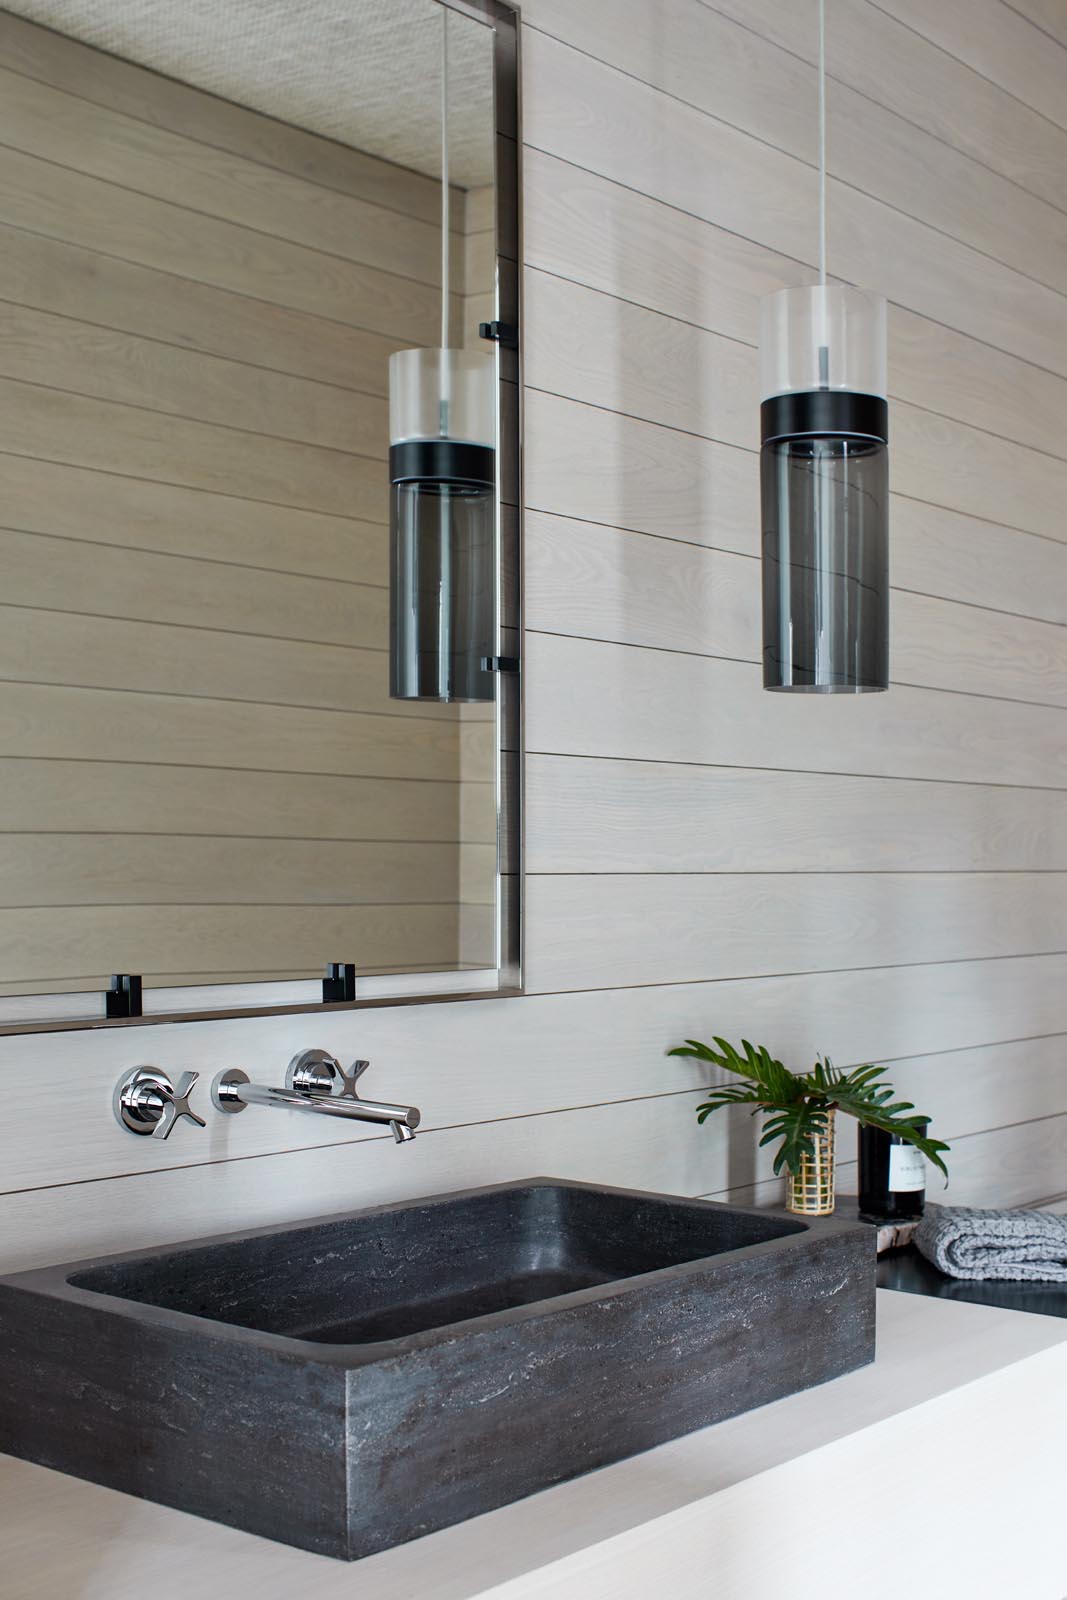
(442, 466)
(824, 491)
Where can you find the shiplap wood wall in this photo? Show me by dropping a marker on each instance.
(150, 667)
(879, 878)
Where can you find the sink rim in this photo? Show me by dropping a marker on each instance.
(53, 1282)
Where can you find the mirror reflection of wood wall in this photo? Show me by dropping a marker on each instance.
(202, 776)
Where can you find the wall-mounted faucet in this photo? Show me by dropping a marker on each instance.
(315, 1081)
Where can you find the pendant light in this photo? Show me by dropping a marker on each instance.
(442, 467)
(824, 477)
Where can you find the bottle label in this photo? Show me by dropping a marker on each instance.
(907, 1169)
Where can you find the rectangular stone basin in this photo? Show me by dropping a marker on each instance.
(349, 1383)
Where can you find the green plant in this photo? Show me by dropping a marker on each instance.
(798, 1105)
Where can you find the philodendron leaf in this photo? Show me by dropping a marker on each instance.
(798, 1105)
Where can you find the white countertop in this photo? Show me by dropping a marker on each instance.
(943, 1462)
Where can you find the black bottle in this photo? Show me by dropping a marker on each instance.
(892, 1176)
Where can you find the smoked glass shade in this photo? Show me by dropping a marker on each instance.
(824, 491)
(442, 467)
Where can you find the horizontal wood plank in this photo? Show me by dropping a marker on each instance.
(601, 583)
(853, 1015)
(650, 1142)
(43, 721)
(1008, 1166)
(107, 508)
(44, 198)
(72, 871)
(587, 815)
(1048, 15)
(66, 353)
(624, 358)
(92, 941)
(687, 268)
(51, 425)
(90, 796)
(188, 175)
(151, 657)
(591, 114)
(70, 576)
(589, 464)
(1005, 49)
(63, 279)
(611, 931)
(895, 66)
(739, 78)
(124, 87)
(655, 706)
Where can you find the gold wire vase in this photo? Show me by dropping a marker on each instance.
(811, 1190)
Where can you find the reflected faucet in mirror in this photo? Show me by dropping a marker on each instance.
(315, 1081)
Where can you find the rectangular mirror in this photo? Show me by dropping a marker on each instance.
(258, 693)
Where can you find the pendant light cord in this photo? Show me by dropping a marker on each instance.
(445, 188)
(823, 141)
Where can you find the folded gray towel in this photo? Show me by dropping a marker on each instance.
(1003, 1246)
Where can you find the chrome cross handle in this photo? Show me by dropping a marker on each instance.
(147, 1102)
(318, 1072)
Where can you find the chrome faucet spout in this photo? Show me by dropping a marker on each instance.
(316, 1082)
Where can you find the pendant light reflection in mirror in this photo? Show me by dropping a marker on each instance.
(824, 477)
(442, 467)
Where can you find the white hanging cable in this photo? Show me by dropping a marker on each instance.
(822, 141)
(824, 340)
(445, 189)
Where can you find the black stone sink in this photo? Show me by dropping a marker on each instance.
(353, 1382)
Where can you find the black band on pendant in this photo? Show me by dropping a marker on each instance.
(838, 413)
(442, 461)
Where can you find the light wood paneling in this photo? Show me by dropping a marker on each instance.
(963, 1090)
(194, 177)
(636, 362)
(1020, 1159)
(624, 1142)
(63, 796)
(92, 287)
(681, 820)
(1007, 50)
(96, 580)
(601, 583)
(580, 225)
(587, 815)
(651, 705)
(45, 869)
(45, 721)
(107, 508)
(64, 353)
(625, 130)
(857, 1015)
(80, 210)
(715, 65)
(180, 940)
(1045, 14)
(895, 66)
(596, 465)
(653, 928)
(942, 552)
(163, 102)
(67, 575)
(50, 424)
(151, 657)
